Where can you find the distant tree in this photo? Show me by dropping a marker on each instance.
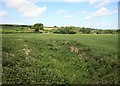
(85, 30)
(65, 30)
(108, 31)
(72, 32)
(62, 27)
(38, 26)
(23, 25)
(98, 31)
(55, 26)
(118, 31)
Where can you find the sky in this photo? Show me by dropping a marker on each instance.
(81, 13)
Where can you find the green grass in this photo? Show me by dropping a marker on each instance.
(101, 42)
(14, 29)
(51, 61)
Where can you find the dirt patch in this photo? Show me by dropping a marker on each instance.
(27, 50)
(74, 49)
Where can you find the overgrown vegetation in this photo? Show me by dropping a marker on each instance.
(65, 30)
(59, 59)
(39, 27)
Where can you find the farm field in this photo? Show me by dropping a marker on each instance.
(60, 58)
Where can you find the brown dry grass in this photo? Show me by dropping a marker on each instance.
(74, 49)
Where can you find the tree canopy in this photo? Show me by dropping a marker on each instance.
(85, 30)
(38, 26)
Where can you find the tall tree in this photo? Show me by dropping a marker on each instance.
(38, 26)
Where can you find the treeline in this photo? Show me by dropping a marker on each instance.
(39, 28)
(83, 30)
(64, 30)
(15, 25)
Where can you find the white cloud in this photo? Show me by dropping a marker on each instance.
(60, 11)
(103, 12)
(84, 12)
(100, 13)
(3, 13)
(69, 16)
(81, 12)
(27, 8)
(88, 18)
(92, 2)
(102, 4)
(105, 3)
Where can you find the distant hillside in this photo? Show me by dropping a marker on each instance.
(14, 28)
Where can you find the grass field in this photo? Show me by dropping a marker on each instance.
(60, 59)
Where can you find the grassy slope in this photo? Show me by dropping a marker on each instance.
(51, 61)
(105, 42)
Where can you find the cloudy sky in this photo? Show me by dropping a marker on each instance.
(89, 13)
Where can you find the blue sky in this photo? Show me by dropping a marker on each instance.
(94, 14)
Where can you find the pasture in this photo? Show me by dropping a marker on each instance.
(60, 58)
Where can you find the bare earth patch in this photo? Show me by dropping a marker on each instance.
(74, 49)
(27, 50)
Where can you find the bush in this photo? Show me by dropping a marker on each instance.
(85, 30)
(65, 30)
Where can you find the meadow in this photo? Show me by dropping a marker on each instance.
(60, 58)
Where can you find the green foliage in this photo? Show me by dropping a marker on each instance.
(64, 30)
(55, 27)
(16, 29)
(118, 31)
(38, 26)
(98, 31)
(108, 32)
(85, 30)
(14, 25)
(9, 28)
(51, 61)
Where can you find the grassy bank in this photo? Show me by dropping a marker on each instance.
(53, 58)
